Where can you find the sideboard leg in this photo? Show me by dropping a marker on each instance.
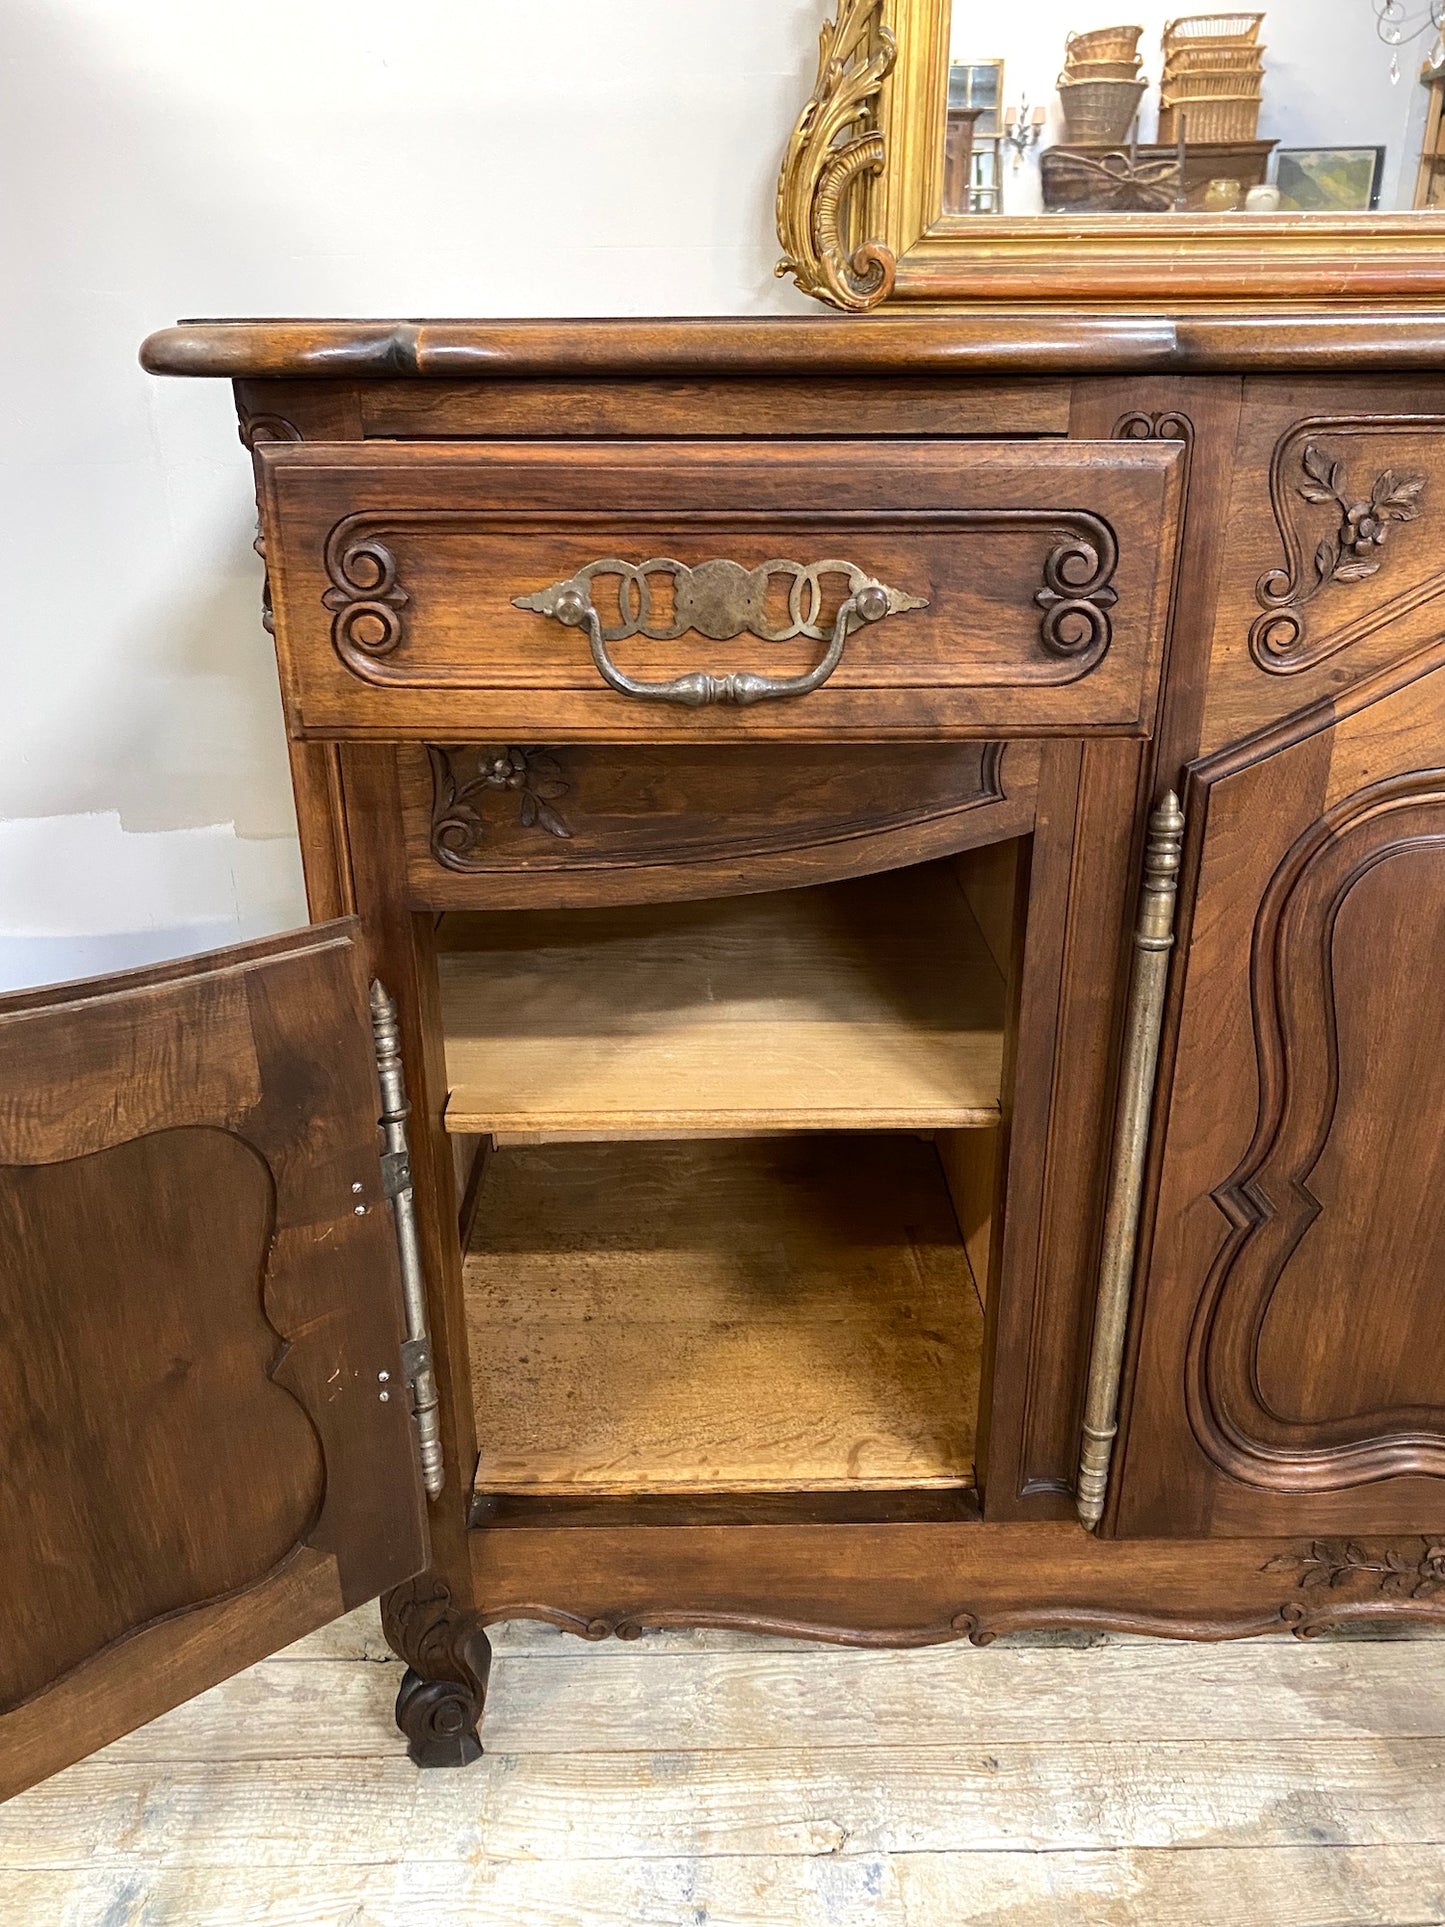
(444, 1688)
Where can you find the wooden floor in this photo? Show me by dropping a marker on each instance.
(708, 1780)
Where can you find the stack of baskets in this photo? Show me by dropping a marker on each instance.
(1100, 88)
(1213, 69)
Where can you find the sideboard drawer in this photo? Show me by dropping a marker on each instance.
(719, 591)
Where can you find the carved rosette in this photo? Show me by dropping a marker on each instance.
(365, 597)
(1350, 551)
(836, 145)
(448, 1658)
(1078, 594)
(463, 777)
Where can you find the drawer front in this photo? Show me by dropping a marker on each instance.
(493, 826)
(719, 591)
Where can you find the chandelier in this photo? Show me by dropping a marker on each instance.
(1396, 25)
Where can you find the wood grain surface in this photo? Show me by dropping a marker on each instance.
(863, 1005)
(740, 1316)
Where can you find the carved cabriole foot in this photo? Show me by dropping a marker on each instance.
(444, 1689)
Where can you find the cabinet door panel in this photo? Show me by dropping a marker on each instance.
(1291, 1373)
(200, 1298)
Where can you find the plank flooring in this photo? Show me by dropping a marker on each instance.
(713, 1780)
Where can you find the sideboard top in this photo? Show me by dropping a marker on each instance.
(980, 341)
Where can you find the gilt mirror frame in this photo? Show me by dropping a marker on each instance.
(861, 221)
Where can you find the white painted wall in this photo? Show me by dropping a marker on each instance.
(1326, 83)
(301, 157)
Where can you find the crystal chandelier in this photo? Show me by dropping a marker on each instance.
(1396, 24)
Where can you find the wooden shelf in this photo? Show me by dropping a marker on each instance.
(868, 1004)
(789, 1314)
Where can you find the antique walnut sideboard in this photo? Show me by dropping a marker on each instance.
(903, 867)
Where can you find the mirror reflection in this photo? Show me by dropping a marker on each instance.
(1315, 107)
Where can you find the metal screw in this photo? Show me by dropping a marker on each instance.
(360, 1211)
(358, 1187)
(383, 1396)
(383, 1377)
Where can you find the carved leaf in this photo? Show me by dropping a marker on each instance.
(1316, 463)
(552, 787)
(1313, 494)
(529, 809)
(1354, 571)
(550, 821)
(1327, 558)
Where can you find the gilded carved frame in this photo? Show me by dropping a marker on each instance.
(861, 221)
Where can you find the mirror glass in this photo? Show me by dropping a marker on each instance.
(1313, 107)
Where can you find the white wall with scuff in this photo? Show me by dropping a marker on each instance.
(1326, 80)
(290, 157)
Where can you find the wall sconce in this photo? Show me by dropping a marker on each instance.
(1022, 126)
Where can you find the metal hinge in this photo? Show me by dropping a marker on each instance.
(1153, 941)
(416, 1361)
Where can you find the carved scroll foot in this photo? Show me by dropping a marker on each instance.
(444, 1688)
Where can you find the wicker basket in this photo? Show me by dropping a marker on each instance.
(1099, 110)
(1222, 117)
(1191, 28)
(1099, 70)
(1103, 43)
(1219, 57)
(1210, 84)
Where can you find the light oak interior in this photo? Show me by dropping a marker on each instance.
(737, 1315)
(876, 1003)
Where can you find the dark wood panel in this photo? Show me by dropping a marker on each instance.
(198, 1283)
(977, 340)
(1332, 567)
(1042, 574)
(503, 827)
(826, 407)
(1058, 1090)
(1292, 1356)
(944, 1581)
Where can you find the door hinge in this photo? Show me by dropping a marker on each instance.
(416, 1360)
(1144, 1021)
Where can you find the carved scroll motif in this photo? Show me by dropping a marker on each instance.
(265, 428)
(365, 597)
(1078, 594)
(835, 146)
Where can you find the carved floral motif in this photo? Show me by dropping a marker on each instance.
(1415, 1570)
(458, 828)
(834, 147)
(1348, 553)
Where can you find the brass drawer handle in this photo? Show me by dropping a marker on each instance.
(721, 600)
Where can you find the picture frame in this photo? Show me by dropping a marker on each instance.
(1329, 180)
(860, 209)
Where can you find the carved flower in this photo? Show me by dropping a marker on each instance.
(1432, 1566)
(1364, 529)
(505, 771)
(1349, 555)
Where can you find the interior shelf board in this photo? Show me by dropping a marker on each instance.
(794, 1315)
(873, 1003)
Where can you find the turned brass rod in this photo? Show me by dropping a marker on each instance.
(1153, 940)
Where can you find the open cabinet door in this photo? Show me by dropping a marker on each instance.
(206, 1445)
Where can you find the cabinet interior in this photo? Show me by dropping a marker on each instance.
(734, 1228)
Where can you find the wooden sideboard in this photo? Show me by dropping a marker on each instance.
(745, 755)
